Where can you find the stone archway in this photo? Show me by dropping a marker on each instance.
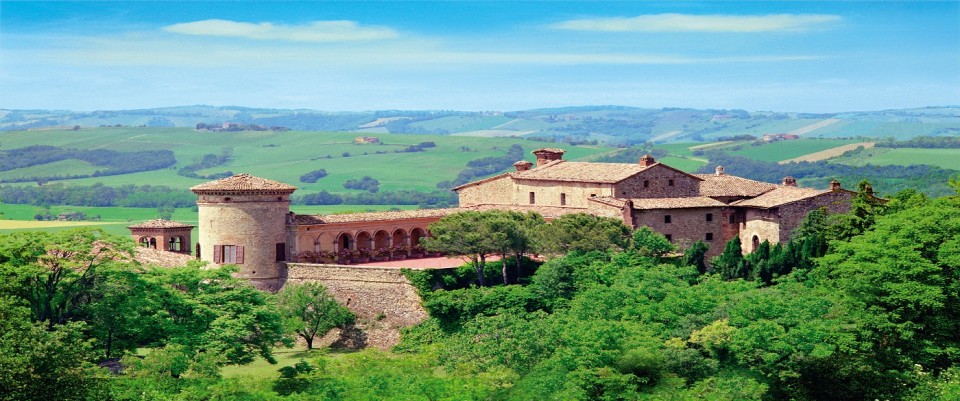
(344, 241)
(415, 235)
(399, 237)
(363, 240)
(381, 240)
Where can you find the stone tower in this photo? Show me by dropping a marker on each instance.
(242, 221)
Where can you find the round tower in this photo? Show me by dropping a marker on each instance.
(242, 221)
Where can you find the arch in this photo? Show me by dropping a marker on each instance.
(344, 241)
(323, 242)
(381, 240)
(756, 243)
(399, 237)
(148, 242)
(175, 244)
(363, 240)
(416, 234)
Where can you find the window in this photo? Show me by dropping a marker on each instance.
(175, 244)
(733, 218)
(281, 252)
(593, 195)
(563, 199)
(533, 198)
(670, 183)
(667, 219)
(669, 237)
(709, 216)
(646, 184)
(228, 254)
(709, 237)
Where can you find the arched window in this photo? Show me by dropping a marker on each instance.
(175, 244)
(756, 243)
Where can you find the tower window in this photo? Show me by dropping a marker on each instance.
(709, 237)
(667, 219)
(709, 216)
(228, 254)
(733, 218)
(533, 198)
(281, 252)
(646, 184)
(670, 183)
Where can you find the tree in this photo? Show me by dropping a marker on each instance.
(651, 243)
(463, 234)
(511, 234)
(166, 212)
(695, 256)
(730, 264)
(309, 311)
(582, 232)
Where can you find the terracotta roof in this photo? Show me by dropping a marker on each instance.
(608, 200)
(675, 203)
(156, 257)
(243, 183)
(729, 185)
(780, 196)
(160, 223)
(560, 170)
(373, 216)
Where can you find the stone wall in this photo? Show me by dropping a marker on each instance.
(382, 298)
(497, 190)
(658, 179)
(764, 224)
(686, 226)
(791, 215)
(549, 193)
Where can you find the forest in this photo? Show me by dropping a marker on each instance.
(863, 305)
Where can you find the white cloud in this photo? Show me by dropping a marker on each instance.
(700, 23)
(318, 31)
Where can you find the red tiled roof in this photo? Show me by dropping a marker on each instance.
(374, 216)
(675, 203)
(546, 211)
(160, 223)
(243, 183)
(780, 196)
(730, 185)
(561, 170)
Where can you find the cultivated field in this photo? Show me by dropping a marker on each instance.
(785, 150)
(284, 156)
(943, 158)
(829, 153)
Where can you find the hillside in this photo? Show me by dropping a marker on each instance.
(614, 125)
(396, 162)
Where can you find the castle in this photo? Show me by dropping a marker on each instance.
(246, 220)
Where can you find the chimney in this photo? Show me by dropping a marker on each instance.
(647, 160)
(789, 181)
(834, 185)
(719, 171)
(547, 155)
(522, 165)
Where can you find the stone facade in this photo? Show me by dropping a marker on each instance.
(382, 299)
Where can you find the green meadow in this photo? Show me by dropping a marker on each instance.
(282, 156)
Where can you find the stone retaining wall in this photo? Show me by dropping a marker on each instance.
(382, 298)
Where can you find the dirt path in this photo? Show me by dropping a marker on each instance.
(829, 153)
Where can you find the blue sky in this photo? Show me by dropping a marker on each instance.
(336, 56)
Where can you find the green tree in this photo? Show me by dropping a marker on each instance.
(651, 243)
(730, 263)
(581, 232)
(309, 311)
(166, 212)
(464, 234)
(695, 256)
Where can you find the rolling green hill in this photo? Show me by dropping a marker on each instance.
(282, 156)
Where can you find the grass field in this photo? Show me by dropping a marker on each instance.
(284, 156)
(943, 158)
(784, 150)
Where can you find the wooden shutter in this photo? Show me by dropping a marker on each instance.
(217, 257)
(239, 257)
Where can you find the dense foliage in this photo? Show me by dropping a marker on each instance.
(98, 195)
(313, 176)
(858, 306)
(364, 184)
